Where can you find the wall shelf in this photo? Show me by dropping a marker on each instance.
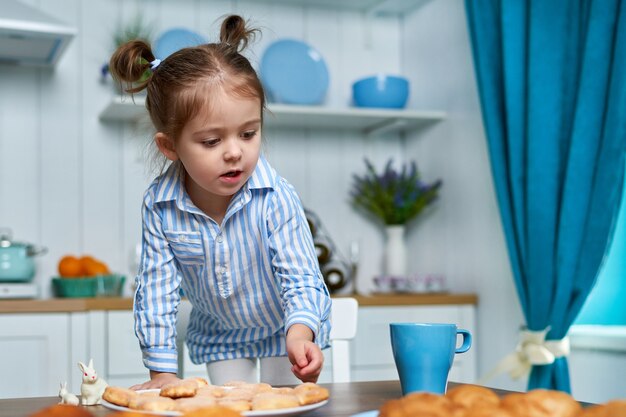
(373, 7)
(366, 120)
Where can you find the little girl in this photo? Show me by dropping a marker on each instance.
(221, 224)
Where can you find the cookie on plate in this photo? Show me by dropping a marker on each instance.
(273, 401)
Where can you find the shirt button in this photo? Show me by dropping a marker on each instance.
(182, 238)
(219, 239)
(223, 270)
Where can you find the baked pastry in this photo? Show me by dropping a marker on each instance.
(310, 393)
(213, 391)
(422, 404)
(235, 404)
(283, 390)
(428, 404)
(473, 396)
(235, 383)
(614, 408)
(118, 395)
(62, 410)
(273, 401)
(180, 389)
(215, 411)
(239, 393)
(134, 401)
(484, 412)
(200, 382)
(193, 403)
(256, 388)
(541, 403)
(152, 403)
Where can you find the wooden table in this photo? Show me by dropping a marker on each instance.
(345, 400)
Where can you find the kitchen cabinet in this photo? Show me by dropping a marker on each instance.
(35, 354)
(366, 120)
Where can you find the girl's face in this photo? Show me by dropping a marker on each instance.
(219, 148)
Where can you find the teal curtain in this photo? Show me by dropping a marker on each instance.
(605, 304)
(552, 82)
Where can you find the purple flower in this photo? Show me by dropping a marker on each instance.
(394, 196)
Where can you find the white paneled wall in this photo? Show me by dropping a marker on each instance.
(74, 184)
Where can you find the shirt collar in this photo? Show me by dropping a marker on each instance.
(171, 184)
(264, 176)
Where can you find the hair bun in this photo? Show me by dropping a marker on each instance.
(235, 33)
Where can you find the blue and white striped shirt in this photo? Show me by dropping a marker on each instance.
(248, 279)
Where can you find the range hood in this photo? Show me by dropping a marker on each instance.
(31, 37)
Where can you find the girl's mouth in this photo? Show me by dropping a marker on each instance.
(231, 176)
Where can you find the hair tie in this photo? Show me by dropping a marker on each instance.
(154, 64)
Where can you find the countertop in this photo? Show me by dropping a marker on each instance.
(59, 305)
(346, 399)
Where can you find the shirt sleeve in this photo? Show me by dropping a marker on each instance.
(157, 295)
(294, 260)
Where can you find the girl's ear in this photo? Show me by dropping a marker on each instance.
(166, 146)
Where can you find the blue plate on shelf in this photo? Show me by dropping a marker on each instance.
(293, 72)
(176, 39)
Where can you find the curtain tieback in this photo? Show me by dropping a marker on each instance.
(532, 349)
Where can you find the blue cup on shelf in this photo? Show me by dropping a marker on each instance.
(424, 352)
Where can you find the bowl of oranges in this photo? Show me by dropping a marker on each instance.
(86, 276)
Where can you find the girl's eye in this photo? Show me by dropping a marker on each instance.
(249, 134)
(210, 142)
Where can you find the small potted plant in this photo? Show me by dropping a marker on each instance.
(393, 198)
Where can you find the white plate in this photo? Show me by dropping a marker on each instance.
(371, 413)
(282, 412)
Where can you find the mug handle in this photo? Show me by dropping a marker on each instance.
(467, 341)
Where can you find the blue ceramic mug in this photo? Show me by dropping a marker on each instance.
(424, 353)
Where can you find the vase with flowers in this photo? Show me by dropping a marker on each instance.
(393, 198)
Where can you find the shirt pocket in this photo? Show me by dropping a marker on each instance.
(186, 246)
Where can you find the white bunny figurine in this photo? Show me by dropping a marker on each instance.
(66, 396)
(92, 387)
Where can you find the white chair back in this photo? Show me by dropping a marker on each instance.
(344, 318)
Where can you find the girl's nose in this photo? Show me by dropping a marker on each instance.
(233, 151)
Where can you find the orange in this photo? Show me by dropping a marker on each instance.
(70, 266)
(93, 266)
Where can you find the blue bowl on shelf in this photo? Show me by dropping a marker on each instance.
(383, 91)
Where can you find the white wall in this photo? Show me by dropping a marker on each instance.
(74, 184)
(463, 237)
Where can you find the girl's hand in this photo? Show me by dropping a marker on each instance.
(305, 356)
(157, 380)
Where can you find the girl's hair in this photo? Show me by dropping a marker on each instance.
(184, 82)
